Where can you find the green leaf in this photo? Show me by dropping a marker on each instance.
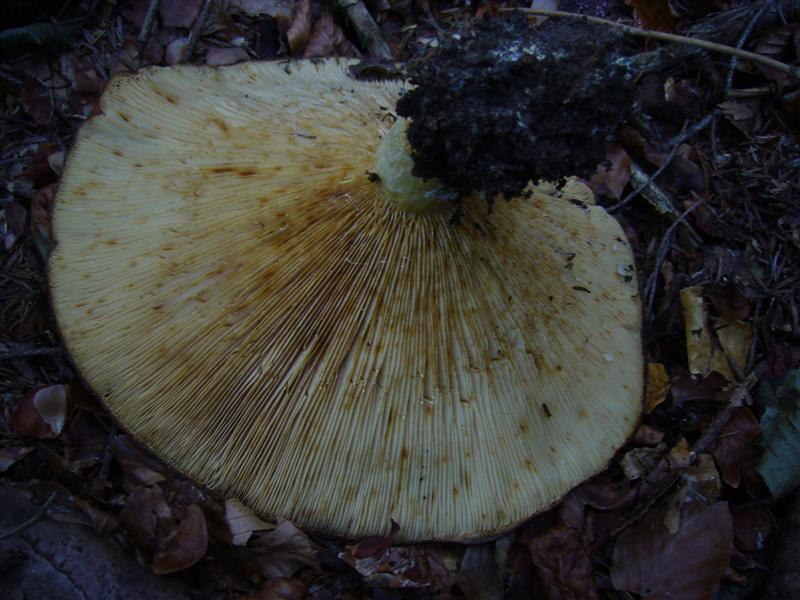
(780, 428)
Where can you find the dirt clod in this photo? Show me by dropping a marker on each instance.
(513, 103)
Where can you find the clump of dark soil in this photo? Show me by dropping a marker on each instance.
(515, 103)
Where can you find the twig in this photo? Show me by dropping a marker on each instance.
(740, 396)
(27, 353)
(36, 516)
(675, 143)
(742, 39)
(149, 20)
(197, 28)
(365, 26)
(668, 37)
(650, 286)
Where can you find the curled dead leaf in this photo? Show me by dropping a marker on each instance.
(242, 522)
(185, 545)
(658, 384)
(42, 412)
(281, 552)
(563, 564)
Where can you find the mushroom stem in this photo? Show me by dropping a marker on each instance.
(393, 165)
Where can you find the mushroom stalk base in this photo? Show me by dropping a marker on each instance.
(393, 165)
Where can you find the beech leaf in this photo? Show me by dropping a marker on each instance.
(780, 425)
(186, 545)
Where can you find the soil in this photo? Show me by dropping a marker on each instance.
(513, 103)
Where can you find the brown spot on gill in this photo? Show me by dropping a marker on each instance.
(170, 99)
(223, 126)
(404, 454)
(247, 172)
(116, 152)
(523, 427)
(124, 117)
(222, 169)
(456, 490)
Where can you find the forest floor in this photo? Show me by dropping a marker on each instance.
(706, 184)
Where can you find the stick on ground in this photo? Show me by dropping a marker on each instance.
(367, 28)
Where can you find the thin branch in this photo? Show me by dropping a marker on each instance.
(28, 352)
(676, 143)
(366, 27)
(149, 20)
(36, 516)
(650, 286)
(740, 43)
(668, 37)
(197, 28)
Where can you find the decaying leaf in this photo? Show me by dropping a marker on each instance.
(280, 588)
(327, 39)
(658, 384)
(613, 175)
(300, 29)
(179, 13)
(262, 8)
(186, 544)
(10, 456)
(242, 522)
(42, 412)
(780, 425)
(735, 339)
(703, 356)
(480, 577)
(282, 552)
(700, 487)
(741, 114)
(654, 14)
(689, 564)
(740, 431)
(225, 56)
(141, 513)
(563, 564)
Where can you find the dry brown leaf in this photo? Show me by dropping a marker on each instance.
(647, 436)
(689, 565)
(262, 8)
(480, 577)
(179, 13)
(563, 564)
(185, 546)
(327, 39)
(738, 433)
(704, 357)
(242, 522)
(174, 52)
(741, 114)
(217, 57)
(280, 588)
(142, 511)
(614, 173)
(735, 338)
(42, 412)
(300, 29)
(11, 456)
(658, 384)
(282, 552)
(700, 487)
(655, 14)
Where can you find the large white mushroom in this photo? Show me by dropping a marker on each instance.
(277, 322)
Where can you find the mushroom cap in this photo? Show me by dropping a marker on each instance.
(241, 294)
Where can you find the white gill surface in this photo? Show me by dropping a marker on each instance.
(252, 307)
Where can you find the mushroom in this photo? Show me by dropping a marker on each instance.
(253, 283)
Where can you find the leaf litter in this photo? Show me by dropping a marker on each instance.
(684, 510)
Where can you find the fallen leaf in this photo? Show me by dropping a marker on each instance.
(700, 487)
(647, 436)
(15, 216)
(654, 14)
(242, 522)
(688, 388)
(179, 13)
(780, 426)
(225, 56)
(638, 462)
(704, 357)
(11, 456)
(327, 39)
(42, 412)
(735, 338)
(374, 545)
(262, 8)
(563, 564)
(140, 516)
(300, 29)
(185, 546)
(174, 52)
(480, 577)
(280, 588)
(752, 525)
(740, 430)
(614, 173)
(742, 115)
(689, 565)
(658, 384)
(282, 552)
